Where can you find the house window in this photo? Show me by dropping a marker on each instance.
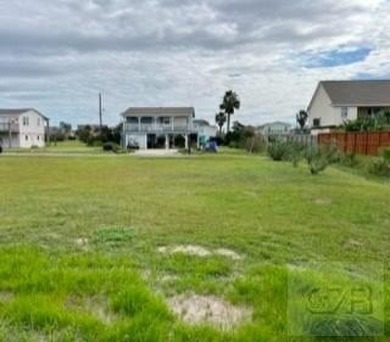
(316, 122)
(344, 113)
(25, 121)
(165, 120)
(132, 120)
(146, 120)
(26, 137)
(38, 137)
(39, 121)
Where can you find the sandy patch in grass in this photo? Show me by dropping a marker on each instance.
(228, 253)
(98, 306)
(297, 267)
(6, 296)
(353, 244)
(323, 201)
(81, 242)
(168, 278)
(194, 309)
(185, 249)
(200, 251)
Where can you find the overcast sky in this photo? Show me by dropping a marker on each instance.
(57, 55)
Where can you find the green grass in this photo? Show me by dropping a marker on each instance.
(80, 235)
(62, 147)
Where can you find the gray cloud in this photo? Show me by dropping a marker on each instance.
(57, 55)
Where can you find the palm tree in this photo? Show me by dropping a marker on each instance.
(302, 117)
(220, 119)
(230, 102)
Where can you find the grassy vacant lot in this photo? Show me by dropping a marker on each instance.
(86, 241)
(68, 147)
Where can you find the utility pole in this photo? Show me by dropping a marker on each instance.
(100, 113)
(10, 132)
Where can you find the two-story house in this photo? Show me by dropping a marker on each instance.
(335, 102)
(155, 127)
(274, 128)
(22, 128)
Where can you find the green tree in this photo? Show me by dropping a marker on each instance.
(230, 103)
(66, 129)
(302, 117)
(220, 119)
(386, 115)
(85, 134)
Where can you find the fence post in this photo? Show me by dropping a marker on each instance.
(345, 143)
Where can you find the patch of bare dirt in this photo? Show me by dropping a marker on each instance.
(353, 244)
(98, 306)
(323, 201)
(185, 249)
(195, 309)
(199, 251)
(228, 253)
(6, 296)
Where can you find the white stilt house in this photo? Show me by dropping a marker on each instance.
(157, 127)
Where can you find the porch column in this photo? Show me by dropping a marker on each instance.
(186, 141)
(166, 141)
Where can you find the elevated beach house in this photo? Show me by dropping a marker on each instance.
(22, 128)
(157, 127)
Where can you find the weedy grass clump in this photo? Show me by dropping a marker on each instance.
(42, 284)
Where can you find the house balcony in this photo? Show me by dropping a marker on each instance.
(156, 128)
(9, 128)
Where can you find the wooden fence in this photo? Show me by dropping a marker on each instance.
(366, 143)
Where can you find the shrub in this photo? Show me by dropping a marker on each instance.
(279, 151)
(379, 167)
(110, 146)
(255, 144)
(363, 125)
(319, 159)
(349, 159)
(297, 152)
(386, 154)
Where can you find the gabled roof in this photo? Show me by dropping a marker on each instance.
(161, 111)
(19, 111)
(358, 93)
(280, 123)
(201, 122)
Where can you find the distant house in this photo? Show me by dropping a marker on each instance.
(22, 128)
(204, 131)
(335, 102)
(153, 127)
(274, 128)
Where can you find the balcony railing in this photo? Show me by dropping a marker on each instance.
(157, 128)
(6, 127)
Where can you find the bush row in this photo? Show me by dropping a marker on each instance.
(318, 159)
